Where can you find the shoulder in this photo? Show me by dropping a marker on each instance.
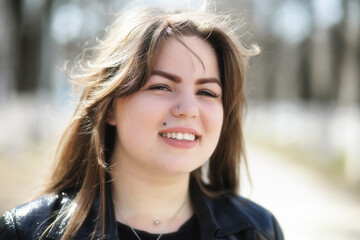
(236, 212)
(29, 220)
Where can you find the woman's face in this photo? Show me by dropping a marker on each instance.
(173, 123)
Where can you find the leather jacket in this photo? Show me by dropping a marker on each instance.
(226, 218)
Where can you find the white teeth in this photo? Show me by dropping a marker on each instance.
(179, 136)
(186, 136)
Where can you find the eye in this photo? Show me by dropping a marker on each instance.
(208, 93)
(162, 87)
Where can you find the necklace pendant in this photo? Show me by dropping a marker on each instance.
(157, 222)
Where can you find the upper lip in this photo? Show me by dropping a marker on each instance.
(181, 130)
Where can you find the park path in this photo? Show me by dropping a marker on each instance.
(307, 204)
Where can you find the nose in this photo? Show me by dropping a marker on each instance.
(186, 107)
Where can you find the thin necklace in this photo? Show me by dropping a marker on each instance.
(156, 221)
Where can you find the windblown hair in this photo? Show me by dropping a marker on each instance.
(118, 67)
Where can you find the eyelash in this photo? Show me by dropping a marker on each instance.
(208, 93)
(202, 92)
(159, 87)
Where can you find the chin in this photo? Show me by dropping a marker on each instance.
(180, 167)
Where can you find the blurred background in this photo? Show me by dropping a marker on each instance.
(303, 123)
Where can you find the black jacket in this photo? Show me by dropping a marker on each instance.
(230, 218)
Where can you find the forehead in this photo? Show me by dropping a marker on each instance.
(187, 54)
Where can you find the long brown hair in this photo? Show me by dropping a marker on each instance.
(119, 66)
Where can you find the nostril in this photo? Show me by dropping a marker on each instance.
(186, 109)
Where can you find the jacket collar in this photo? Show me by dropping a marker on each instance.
(216, 216)
(87, 228)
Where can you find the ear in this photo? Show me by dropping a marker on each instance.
(111, 116)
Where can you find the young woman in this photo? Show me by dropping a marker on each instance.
(162, 97)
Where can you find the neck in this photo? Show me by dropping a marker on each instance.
(142, 199)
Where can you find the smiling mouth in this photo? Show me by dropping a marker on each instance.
(180, 136)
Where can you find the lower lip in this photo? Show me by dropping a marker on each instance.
(179, 143)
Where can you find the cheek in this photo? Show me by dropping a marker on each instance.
(138, 117)
(214, 118)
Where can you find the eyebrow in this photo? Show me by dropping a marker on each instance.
(177, 79)
(166, 75)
